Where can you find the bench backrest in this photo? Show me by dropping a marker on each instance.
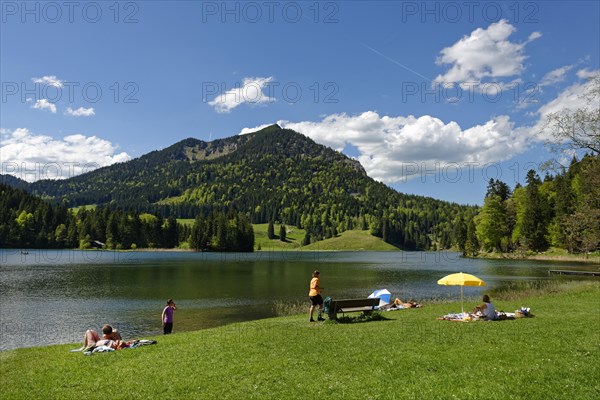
(338, 304)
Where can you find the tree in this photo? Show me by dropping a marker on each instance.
(534, 226)
(60, 235)
(26, 228)
(306, 239)
(498, 188)
(472, 244)
(492, 223)
(578, 129)
(171, 233)
(582, 230)
(271, 230)
(460, 234)
(282, 233)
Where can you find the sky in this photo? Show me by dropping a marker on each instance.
(433, 98)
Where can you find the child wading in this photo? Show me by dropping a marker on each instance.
(167, 316)
(314, 294)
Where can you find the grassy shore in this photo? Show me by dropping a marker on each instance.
(552, 254)
(411, 355)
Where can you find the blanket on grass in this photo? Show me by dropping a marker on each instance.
(88, 351)
(523, 312)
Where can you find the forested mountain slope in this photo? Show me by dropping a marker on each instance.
(271, 175)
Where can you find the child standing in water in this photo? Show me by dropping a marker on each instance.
(167, 316)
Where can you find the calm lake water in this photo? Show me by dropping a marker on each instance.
(53, 296)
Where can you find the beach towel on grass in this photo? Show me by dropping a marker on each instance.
(104, 349)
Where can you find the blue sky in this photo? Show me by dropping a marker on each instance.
(433, 98)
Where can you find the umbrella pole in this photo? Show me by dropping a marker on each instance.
(462, 304)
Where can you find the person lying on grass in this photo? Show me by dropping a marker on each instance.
(110, 338)
(407, 304)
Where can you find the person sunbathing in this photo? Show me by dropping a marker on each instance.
(409, 304)
(109, 335)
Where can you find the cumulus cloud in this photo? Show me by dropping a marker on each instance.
(251, 91)
(44, 104)
(390, 147)
(50, 80)
(485, 53)
(80, 112)
(31, 157)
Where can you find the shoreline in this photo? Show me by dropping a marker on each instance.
(524, 293)
(595, 259)
(540, 257)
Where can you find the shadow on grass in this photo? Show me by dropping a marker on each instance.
(359, 319)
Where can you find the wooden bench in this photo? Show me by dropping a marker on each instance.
(354, 305)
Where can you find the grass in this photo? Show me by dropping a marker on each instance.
(293, 240)
(186, 221)
(552, 254)
(411, 355)
(85, 207)
(352, 240)
(348, 240)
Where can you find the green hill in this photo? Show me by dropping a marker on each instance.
(274, 175)
(352, 240)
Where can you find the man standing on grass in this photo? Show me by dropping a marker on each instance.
(314, 295)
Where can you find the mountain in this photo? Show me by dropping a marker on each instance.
(13, 181)
(274, 174)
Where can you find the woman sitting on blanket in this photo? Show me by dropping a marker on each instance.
(487, 309)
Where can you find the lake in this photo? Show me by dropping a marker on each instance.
(53, 296)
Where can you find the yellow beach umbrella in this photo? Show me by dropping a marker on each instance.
(461, 279)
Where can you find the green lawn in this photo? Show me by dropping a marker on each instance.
(410, 356)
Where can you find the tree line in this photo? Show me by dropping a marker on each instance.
(561, 211)
(30, 222)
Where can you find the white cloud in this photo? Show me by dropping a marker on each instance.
(50, 80)
(32, 157)
(586, 73)
(245, 131)
(80, 112)
(555, 76)
(251, 91)
(390, 147)
(534, 36)
(485, 53)
(571, 98)
(44, 104)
